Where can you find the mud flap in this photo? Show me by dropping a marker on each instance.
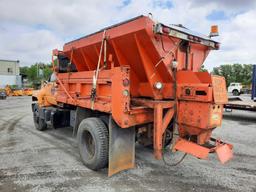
(121, 148)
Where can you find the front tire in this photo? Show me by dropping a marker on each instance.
(38, 122)
(235, 92)
(93, 141)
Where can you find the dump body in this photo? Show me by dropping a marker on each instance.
(140, 78)
(137, 43)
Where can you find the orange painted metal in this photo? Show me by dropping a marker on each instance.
(201, 115)
(219, 90)
(224, 153)
(160, 121)
(192, 148)
(140, 57)
(135, 44)
(28, 91)
(46, 96)
(223, 150)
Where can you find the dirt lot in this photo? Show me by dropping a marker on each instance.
(49, 161)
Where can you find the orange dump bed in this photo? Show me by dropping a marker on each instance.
(149, 48)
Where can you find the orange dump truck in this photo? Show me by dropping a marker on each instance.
(136, 81)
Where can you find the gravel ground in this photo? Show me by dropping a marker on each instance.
(49, 161)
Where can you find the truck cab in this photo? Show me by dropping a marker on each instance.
(235, 88)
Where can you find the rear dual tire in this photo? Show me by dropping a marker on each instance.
(93, 143)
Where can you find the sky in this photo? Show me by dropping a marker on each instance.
(30, 30)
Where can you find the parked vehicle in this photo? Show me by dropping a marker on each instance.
(124, 84)
(28, 91)
(235, 88)
(3, 94)
(17, 92)
(240, 103)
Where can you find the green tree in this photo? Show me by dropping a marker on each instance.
(33, 75)
(235, 73)
(23, 70)
(202, 69)
(247, 74)
(47, 71)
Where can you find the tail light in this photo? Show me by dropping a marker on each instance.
(196, 38)
(190, 37)
(166, 30)
(217, 45)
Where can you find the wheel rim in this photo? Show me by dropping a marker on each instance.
(89, 144)
(235, 92)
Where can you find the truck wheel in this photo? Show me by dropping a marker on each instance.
(235, 92)
(93, 143)
(39, 123)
